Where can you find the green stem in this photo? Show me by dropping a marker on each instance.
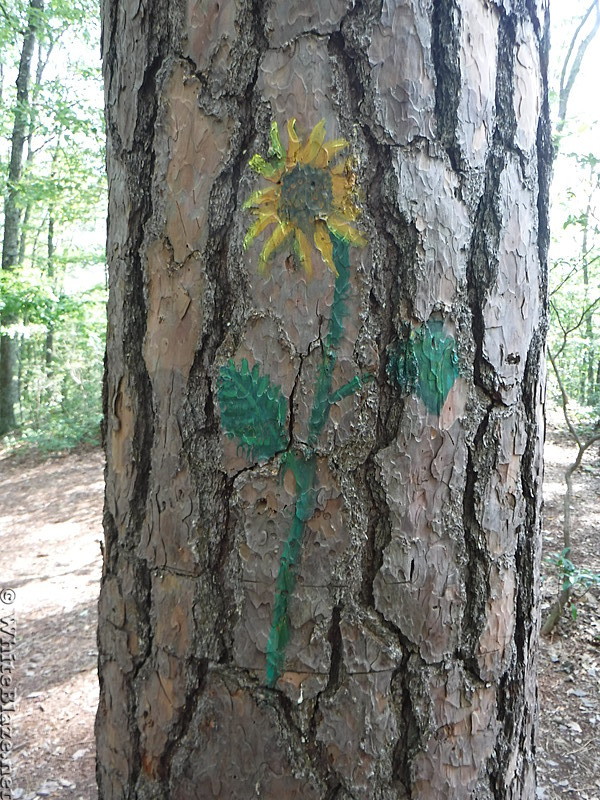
(350, 388)
(321, 403)
(303, 467)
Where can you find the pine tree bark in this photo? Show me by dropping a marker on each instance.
(12, 213)
(322, 511)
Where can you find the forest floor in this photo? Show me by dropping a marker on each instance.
(50, 532)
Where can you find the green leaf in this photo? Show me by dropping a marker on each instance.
(426, 364)
(276, 150)
(438, 364)
(263, 167)
(253, 410)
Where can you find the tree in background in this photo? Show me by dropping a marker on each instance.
(10, 239)
(573, 349)
(575, 276)
(575, 288)
(327, 243)
(52, 342)
(585, 29)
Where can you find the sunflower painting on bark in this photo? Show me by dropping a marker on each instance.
(310, 209)
(309, 202)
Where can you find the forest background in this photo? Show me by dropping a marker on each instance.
(52, 282)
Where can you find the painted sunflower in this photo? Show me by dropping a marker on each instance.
(309, 199)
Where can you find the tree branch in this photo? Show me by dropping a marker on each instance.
(564, 399)
(568, 76)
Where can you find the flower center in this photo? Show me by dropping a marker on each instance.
(306, 195)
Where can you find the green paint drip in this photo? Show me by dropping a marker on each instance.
(403, 367)
(303, 467)
(426, 364)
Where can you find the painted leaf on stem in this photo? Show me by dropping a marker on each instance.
(253, 410)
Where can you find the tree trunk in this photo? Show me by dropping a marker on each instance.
(323, 488)
(10, 241)
(49, 348)
(590, 397)
(43, 56)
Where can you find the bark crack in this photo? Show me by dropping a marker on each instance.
(445, 47)
(479, 461)
(199, 669)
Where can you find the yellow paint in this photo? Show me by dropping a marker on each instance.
(309, 199)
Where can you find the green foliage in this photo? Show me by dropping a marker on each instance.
(573, 577)
(253, 410)
(575, 580)
(46, 302)
(574, 336)
(24, 296)
(60, 398)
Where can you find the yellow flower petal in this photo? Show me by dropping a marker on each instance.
(278, 237)
(333, 147)
(340, 169)
(340, 186)
(262, 196)
(328, 151)
(345, 231)
(258, 227)
(324, 245)
(343, 198)
(304, 251)
(293, 143)
(347, 211)
(312, 147)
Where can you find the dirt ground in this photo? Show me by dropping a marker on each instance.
(50, 532)
(569, 662)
